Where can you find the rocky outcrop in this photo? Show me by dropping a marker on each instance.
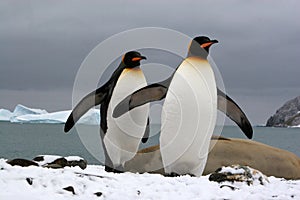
(48, 161)
(22, 162)
(287, 115)
(238, 173)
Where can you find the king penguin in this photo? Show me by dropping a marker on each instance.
(120, 137)
(183, 151)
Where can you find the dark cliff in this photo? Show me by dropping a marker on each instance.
(287, 115)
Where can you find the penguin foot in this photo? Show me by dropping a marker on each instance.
(110, 169)
(174, 174)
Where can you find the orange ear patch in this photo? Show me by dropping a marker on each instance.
(136, 59)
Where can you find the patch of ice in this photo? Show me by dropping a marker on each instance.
(5, 115)
(23, 110)
(55, 117)
(91, 117)
(298, 126)
(23, 114)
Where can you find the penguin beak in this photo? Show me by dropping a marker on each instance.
(138, 58)
(208, 44)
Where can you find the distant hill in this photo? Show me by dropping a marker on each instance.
(287, 115)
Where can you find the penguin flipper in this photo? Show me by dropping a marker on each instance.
(235, 113)
(147, 132)
(92, 99)
(153, 92)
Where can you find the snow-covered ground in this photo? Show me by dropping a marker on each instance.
(23, 114)
(94, 183)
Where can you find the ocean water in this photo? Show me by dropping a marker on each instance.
(30, 140)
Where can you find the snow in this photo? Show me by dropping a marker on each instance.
(232, 170)
(298, 126)
(73, 158)
(49, 183)
(23, 114)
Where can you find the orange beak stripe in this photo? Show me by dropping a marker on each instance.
(136, 59)
(206, 44)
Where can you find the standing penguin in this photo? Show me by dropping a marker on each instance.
(120, 137)
(189, 111)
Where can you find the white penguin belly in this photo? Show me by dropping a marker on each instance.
(124, 134)
(188, 118)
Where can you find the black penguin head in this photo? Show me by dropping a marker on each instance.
(203, 42)
(132, 59)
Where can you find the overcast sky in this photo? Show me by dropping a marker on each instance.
(43, 43)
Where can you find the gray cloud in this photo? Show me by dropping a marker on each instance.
(44, 43)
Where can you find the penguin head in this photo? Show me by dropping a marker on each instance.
(132, 59)
(199, 43)
(205, 42)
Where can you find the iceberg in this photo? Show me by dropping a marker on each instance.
(91, 117)
(5, 115)
(51, 118)
(21, 110)
(23, 114)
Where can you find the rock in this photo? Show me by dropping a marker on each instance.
(98, 194)
(229, 186)
(51, 161)
(39, 158)
(29, 181)
(60, 162)
(238, 173)
(76, 161)
(70, 189)
(287, 115)
(22, 162)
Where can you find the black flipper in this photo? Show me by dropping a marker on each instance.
(235, 113)
(153, 92)
(89, 101)
(147, 132)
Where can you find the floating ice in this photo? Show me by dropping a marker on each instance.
(55, 117)
(23, 110)
(23, 114)
(5, 115)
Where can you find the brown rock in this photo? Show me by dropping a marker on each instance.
(22, 162)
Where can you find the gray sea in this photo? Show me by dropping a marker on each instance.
(30, 140)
